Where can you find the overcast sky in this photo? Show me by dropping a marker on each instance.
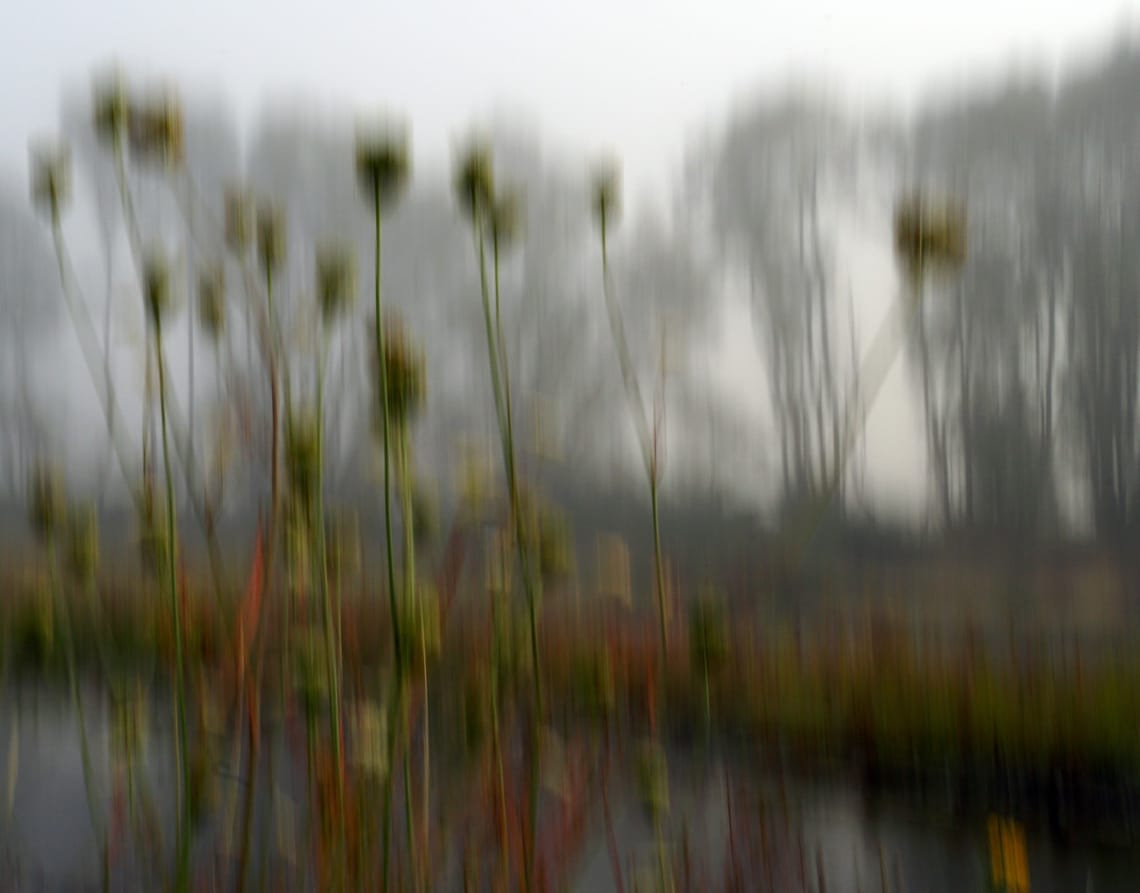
(638, 76)
(641, 78)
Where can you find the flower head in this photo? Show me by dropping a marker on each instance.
(152, 533)
(109, 111)
(239, 220)
(155, 129)
(474, 180)
(382, 164)
(212, 300)
(156, 287)
(653, 779)
(270, 238)
(403, 372)
(605, 192)
(302, 453)
(46, 502)
(929, 235)
(51, 177)
(82, 545)
(506, 218)
(336, 280)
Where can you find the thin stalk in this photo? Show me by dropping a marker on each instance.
(496, 358)
(97, 826)
(88, 342)
(397, 643)
(332, 638)
(647, 438)
(182, 875)
(403, 467)
(496, 745)
(414, 603)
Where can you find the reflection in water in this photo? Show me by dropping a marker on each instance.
(48, 838)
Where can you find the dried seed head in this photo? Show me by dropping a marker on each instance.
(506, 218)
(82, 545)
(301, 457)
(155, 129)
(419, 615)
(708, 632)
(336, 280)
(425, 512)
(110, 108)
(156, 287)
(342, 548)
(51, 178)
(212, 301)
(129, 722)
(382, 163)
(309, 675)
(929, 235)
(370, 740)
(403, 372)
(270, 238)
(474, 180)
(47, 504)
(239, 220)
(152, 532)
(653, 780)
(554, 553)
(605, 193)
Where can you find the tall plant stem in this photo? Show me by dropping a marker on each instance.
(332, 633)
(182, 865)
(393, 610)
(416, 604)
(647, 438)
(97, 826)
(496, 358)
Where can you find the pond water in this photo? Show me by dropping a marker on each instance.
(46, 837)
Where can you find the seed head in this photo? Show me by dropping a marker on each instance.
(506, 218)
(212, 301)
(156, 287)
(51, 177)
(404, 371)
(342, 548)
(929, 235)
(336, 280)
(270, 238)
(239, 220)
(653, 779)
(605, 192)
(474, 180)
(155, 130)
(301, 457)
(382, 164)
(47, 505)
(82, 545)
(152, 532)
(110, 108)
(708, 632)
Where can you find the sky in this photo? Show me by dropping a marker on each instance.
(640, 78)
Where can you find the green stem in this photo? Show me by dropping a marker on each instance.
(85, 332)
(647, 438)
(496, 358)
(332, 638)
(393, 611)
(182, 876)
(76, 700)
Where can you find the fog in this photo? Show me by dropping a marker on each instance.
(760, 176)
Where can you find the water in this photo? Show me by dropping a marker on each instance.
(46, 837)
